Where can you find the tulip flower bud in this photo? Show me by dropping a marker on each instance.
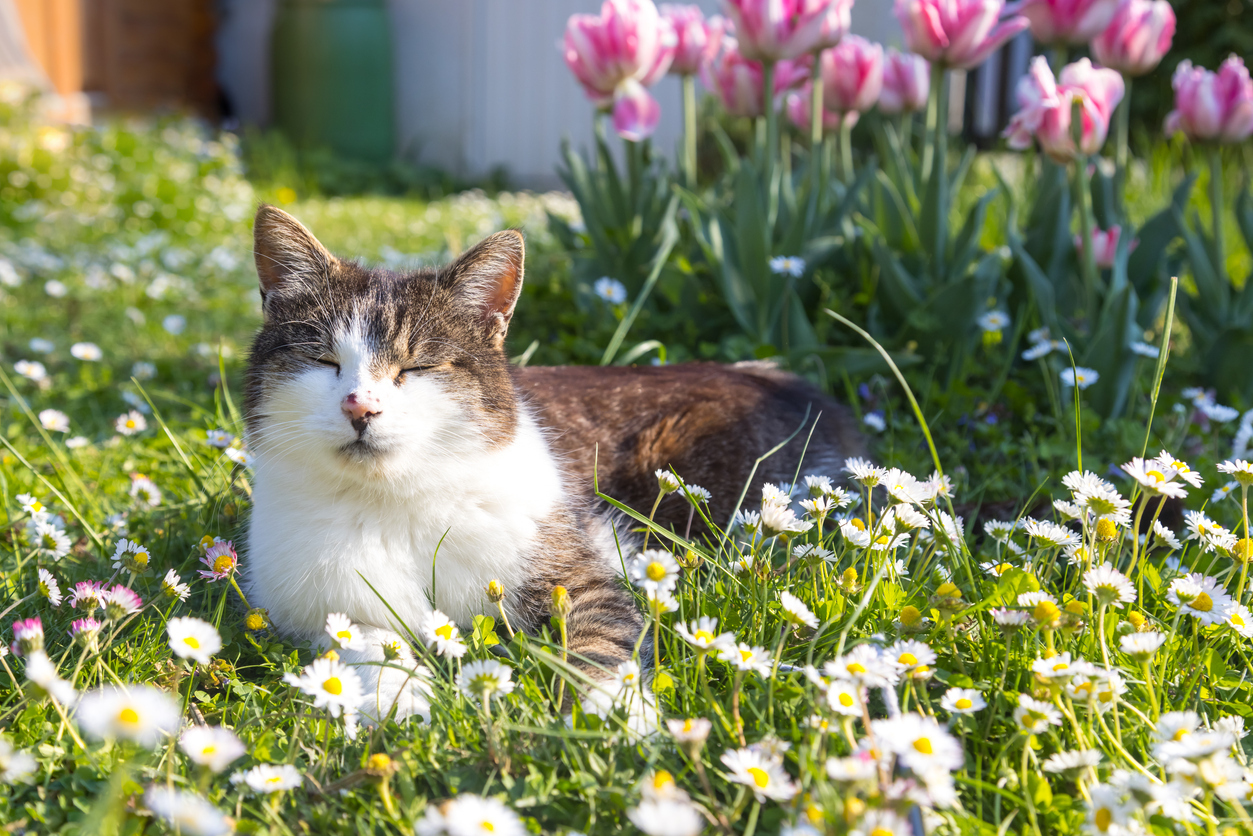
(956, 33)
(1066, 21)
(1137, 38)
(1213, 107)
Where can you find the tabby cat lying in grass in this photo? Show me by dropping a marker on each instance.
(396, 447)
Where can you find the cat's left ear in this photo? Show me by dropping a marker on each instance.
(488, 279)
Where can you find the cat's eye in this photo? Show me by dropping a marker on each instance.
(416, 370)
(322, 361)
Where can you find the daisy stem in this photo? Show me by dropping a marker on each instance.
(1100, 626)
(735, 707)
(648, 529)
(1148, 686)
(1026, 787)
(66, 724)
(774, 670)
(16, 685)
(500, 605)
(752, 819)
(561, 680)
(235, 584)
(1243, 549)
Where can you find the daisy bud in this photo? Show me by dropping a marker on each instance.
(1047, 615)
(1106, 530)
(1137, 621)
(495, 591)
(391, 650)
(206, 542)
(1243, 552)
(332, 655)
(85, 632)
(380, 765)
(667, 482)
(28, 636)
(561, 605)
(256, 620)
(689, 560)
(910, 616)
(1075, 607)
(848, 581)
(853, 809)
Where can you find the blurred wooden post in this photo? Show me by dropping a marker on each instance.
(54, 36)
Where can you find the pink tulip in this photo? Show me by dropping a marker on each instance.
(1137, 38)
(799, 104)
(852, 75)
(615, 55)
(956, 33)
(1216, 107)
(738, 81)
(1066, 21)
(1045, 107)
(1104, 245)
(906, 83)
(777, 30)
(696, 39)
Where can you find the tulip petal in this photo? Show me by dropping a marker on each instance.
(635, 112)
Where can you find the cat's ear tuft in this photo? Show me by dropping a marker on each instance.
(488, 278)
(285, 251)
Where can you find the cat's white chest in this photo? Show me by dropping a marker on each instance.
(317, 545)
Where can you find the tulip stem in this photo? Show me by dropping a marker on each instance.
(689, 130)
(846, 148)
(933, 109)
(772, 125)
(1122, 126)
(815, 103)
(1087, 254)
(1216, 207)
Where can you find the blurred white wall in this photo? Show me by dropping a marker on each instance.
(479, 83)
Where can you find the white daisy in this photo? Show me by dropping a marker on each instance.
(920, 742)
(1071, 760)
(911, 655)
(999, 530)
(1107, 812)
(1240, 620)
(1201, 597)
(883, 822)
(744, 657)
(1163, 536)
(139, 713)
(1210, 534)
(994, 321)
(796, 613)
(1155, 479)
(845, 697)
(780, 519)
(1050, 533)
(1079, 376)
(852, 770)
(1182, 470)
(31, 370)
(441, 633)
(654, 570)
(49, 541)
(763, 775)
(790, 265)
(1238, 469)
(269, 778)
(666, 817)
(667, 482)
(484, 677)
(611, 290)
(864, 472)
(173, 586)
(865, 665)
(1145, 350)
(219, 438)
(343, 632)
(15, 766)
(89, 352)
(1141, 646)
(240, 457)
(215, 747)
(54, 420)
(470, 815)
(691, 730)
(332, 684)
(131, 556)
(1109, 585)
(186, 812)
(130, 423)
(963, 701)
(191, 638)
(1034, 716)
(702, 634)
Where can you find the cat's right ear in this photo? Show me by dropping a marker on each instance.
(285, 251)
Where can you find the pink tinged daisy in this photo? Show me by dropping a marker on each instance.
(269, 778)
(441, 633)
(332, 685)
(1155, 479)
(139, 713)
(221, 560)
(186, 812)
(49, 588)
(130, 423)
(920, 742)
(703, 635)
(963, 701)
(191, 638)
(87, 596)
(343, 632)
(121, 601)
(1034, 716)
(763, 775)
(1109, 586)
(213, 747)
(172, 586)
(85, 632)
(796, 613)
(28, 636)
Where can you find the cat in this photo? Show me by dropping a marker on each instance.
(401, 463)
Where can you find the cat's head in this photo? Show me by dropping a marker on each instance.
(365, 373)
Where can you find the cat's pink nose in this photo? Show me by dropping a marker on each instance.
(360, 408)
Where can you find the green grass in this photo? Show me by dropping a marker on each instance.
(140, 224)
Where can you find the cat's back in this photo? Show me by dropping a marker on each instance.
(709, 422)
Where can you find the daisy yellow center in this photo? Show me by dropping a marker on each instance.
(208, 750)
(487, 826)
(333, 686)
(273, 779)
(881, 831)
(141, 558)
(882, 540)
(1106, 696)
(444, 631)
(662, 780)
(745, 655)
(1105, 529)
(908, 659)
(923, 745)
(655, 571)
(687, 725)
(857, 524)
(1060, 666)
(760, 777)
(1084, 688)
(344, 634)
(1181, 734)
(1202, 602)
(1180, 466)
(856, 667)
(130, 423)
(1156, 476)
(964, 704)
(1237, 620)
(1104, 818)
(192, 642)
(1002, 568)
(223, 564)
(36, 507)
(846, 699)
(704, 636)
(129, 716)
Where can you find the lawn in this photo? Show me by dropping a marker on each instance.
(957, 647)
